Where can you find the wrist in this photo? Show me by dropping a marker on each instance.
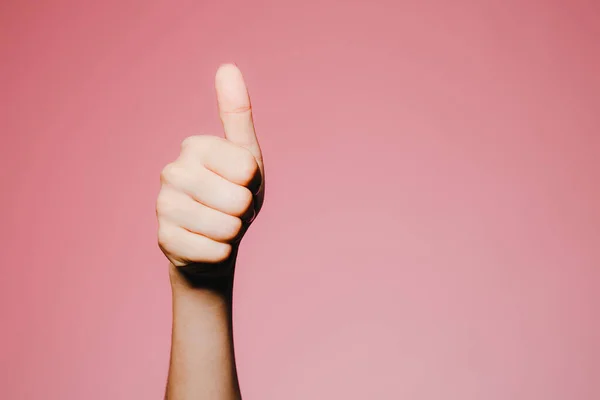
(187, 280)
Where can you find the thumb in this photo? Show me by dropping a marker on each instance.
(235, 109)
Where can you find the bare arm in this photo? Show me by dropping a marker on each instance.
(202, 358)
(208, 199)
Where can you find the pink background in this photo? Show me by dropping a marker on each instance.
(432, 222)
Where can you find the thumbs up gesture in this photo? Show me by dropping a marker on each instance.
(215, 188)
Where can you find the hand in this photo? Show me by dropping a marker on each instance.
(213, 191)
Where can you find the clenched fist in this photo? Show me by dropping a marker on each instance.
(212, 192)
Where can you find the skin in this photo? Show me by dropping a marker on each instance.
(209, 196)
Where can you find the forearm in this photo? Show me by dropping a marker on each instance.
(202, 363)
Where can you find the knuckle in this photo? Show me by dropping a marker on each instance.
(197, 143)
(190, 141)
(166, 237)
(160, 204)
(169, 173)
(165, 205)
